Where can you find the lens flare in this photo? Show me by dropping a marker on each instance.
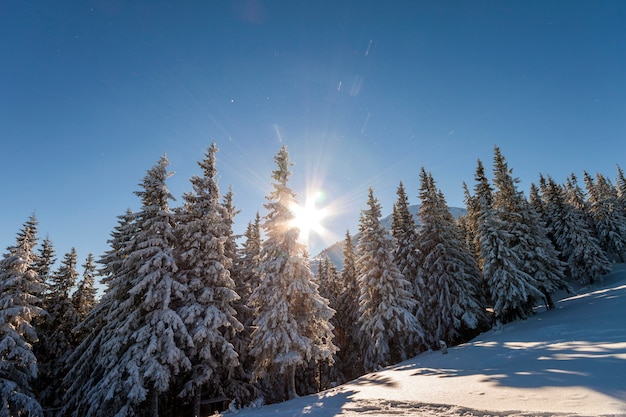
(308, 218)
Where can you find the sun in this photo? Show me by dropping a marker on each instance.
(308, 218)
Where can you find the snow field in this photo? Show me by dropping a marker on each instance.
(570, 361)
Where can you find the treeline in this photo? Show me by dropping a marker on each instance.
(192, 321)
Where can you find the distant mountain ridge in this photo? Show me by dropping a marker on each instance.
(335, 251)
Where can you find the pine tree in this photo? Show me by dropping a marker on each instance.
(246, 281)
(511, 242)
(45, 260)
(576, 198)
(535, 200)
(292, 319)
(86, 364)
(585, 260)
(388, 330)
(230, 245)
(20, 291)
(406, 253)
(541, 257)
(349, 360)
(143, 341)
(57, 342)
(330, 287)
(249, 259)
(84, 298)
(204, 229)
(476, 205)
(452, 304)
(620, 184)
(605, 211)
(512, 291)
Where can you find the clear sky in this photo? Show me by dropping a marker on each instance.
(363, 93)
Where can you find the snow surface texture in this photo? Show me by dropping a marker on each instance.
(570, 361)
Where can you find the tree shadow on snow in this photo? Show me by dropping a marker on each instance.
(559, 348)
(375, 379)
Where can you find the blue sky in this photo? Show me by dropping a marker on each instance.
(363, 93)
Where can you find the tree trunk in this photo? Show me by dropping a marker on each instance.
(155, 404)
(196, 402)
(291, 382)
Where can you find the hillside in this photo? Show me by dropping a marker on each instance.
(335, 251)
(570, 361)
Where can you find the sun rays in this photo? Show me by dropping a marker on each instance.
(309, 217)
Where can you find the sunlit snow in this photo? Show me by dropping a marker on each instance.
(569, 361)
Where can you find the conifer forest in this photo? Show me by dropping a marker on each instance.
(182, 317)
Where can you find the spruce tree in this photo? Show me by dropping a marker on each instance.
(142, 343)
(620, 184)
(45, 260)
(586, 262)
(513, 291)
(476, 205)
(453, 309)
(57, 341)
(20, 291)
(330, 287)
(349, 360)
(406, 253)
(607, 216)
(249, 259)
(88, 362)
(247, 279)
(204, 230)
(526, 237)
(292, 320)
(230, 245)
(84, 298)
(388, 330)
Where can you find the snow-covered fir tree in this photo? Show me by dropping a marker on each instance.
(542, 260)
(607, 216)
(528, 236)
(45, 260)
(349, 360)
(57, 340)
(535, 200)
(203, 230)
(249, 260)
(330, 287)
(246, 281)
(388, 330)
(513, 291)
(143, 341)
(83, 301)
(292, 321)
(585, 261)
(452, 303)
(86, 364)
(406, 253)
(230, 245)
(20, 292)
(238, 386)
(84, 298)
(475, 205)
(620, 184)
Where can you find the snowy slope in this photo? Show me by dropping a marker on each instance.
(569, 361)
